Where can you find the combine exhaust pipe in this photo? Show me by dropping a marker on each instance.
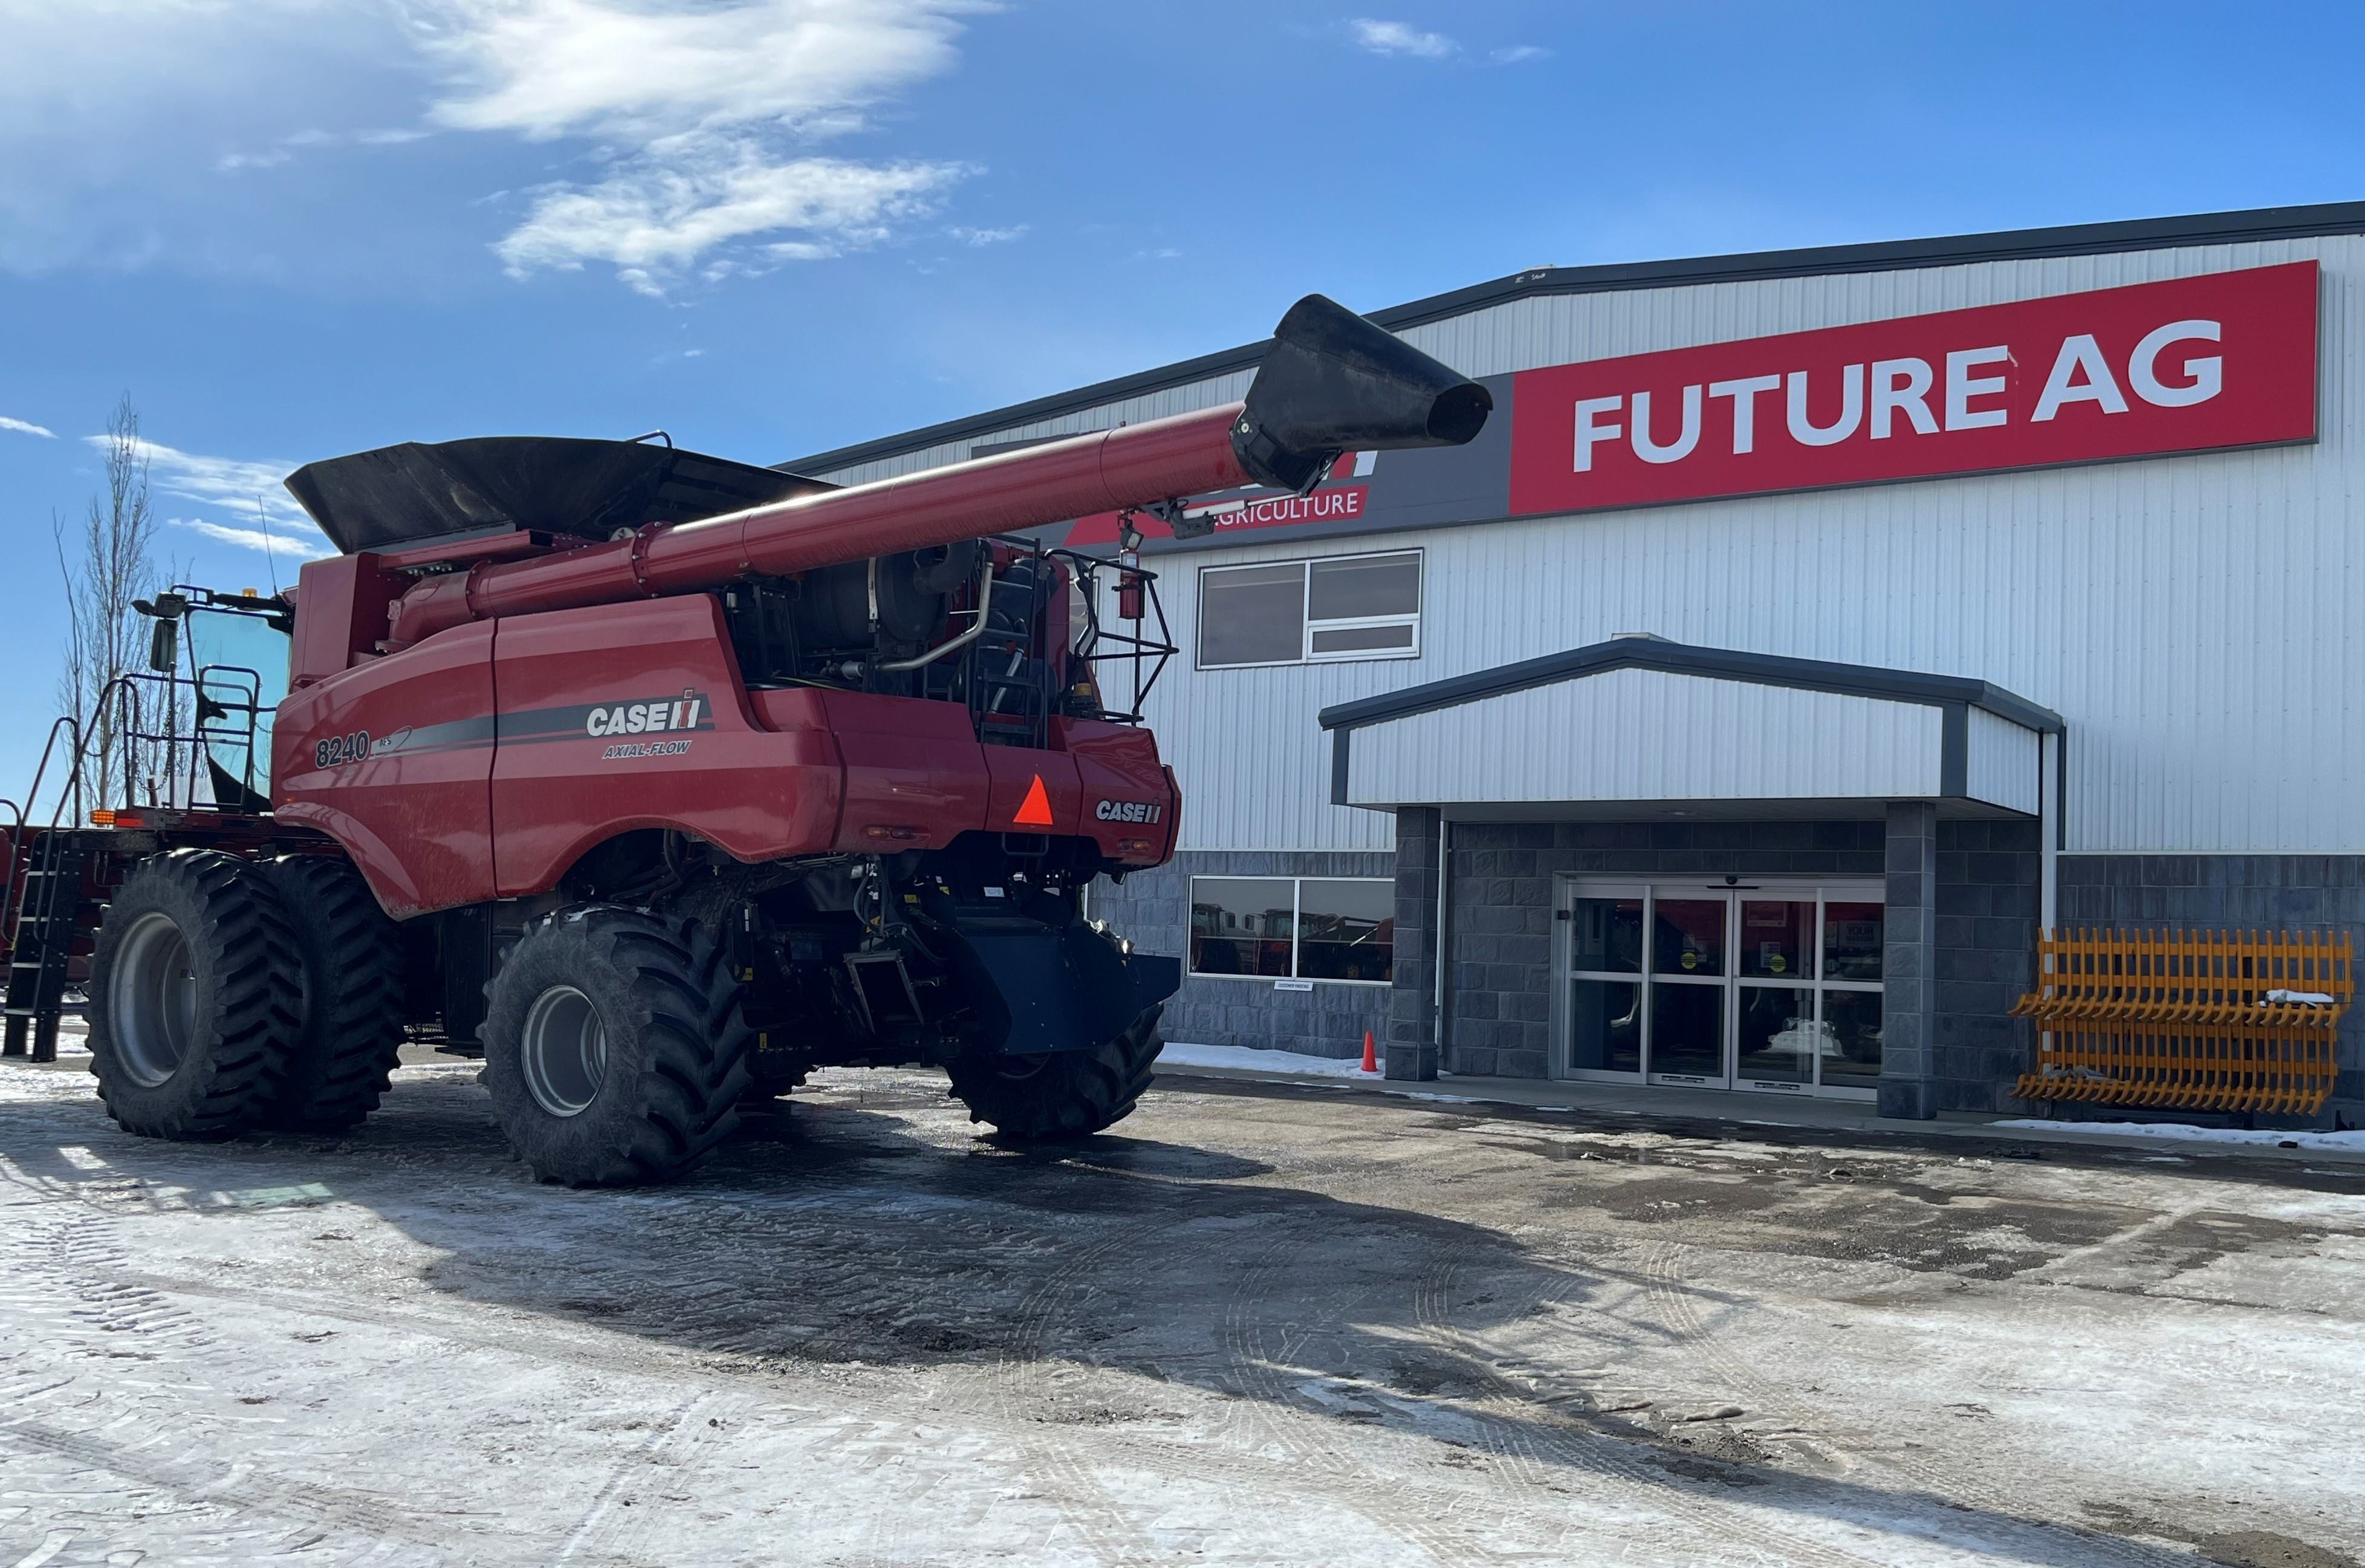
(1332, 382)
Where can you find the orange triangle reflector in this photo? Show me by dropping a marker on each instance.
(1035, 810)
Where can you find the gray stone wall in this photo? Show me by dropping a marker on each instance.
(2240, 892)
(1153, 908)
(1988, 892)
(1909, 1003)
(1500, 923)
(1411, 1040)
(1500, 936)
(1976, 954)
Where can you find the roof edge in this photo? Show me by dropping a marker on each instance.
(2248, 225)
(1687, 658)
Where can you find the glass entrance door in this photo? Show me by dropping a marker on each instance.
(1775, 1048)
(1689, 993)
(1774, 988)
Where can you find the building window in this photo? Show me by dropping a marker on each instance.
(1342, 607)
(1324, 928)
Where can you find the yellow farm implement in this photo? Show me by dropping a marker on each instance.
(2213, 1021)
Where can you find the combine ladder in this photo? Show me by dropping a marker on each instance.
(49, 910)
(42, 903)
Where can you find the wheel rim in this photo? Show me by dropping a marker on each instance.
(152, 998)
(565, 1051)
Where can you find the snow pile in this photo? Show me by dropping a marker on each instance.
(1176, 1055)
(2350, 1142)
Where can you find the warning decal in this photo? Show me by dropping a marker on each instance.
(1035, 810)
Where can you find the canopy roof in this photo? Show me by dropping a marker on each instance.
(410, 494)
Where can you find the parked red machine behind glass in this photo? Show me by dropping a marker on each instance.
(667, 780)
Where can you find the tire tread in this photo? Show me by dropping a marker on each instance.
(1074, 1096)
(244, 1048)
(351, 1047)
(695, 1041)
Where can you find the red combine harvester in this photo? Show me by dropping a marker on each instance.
(666, 779)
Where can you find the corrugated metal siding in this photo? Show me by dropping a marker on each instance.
(2003, 764)
(1562, 328)
(1187, 399)
(1636, 735)
(1246, 744)
(2189, 616)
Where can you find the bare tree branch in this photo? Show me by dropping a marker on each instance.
(105, 637)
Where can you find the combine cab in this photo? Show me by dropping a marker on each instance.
(660, 780)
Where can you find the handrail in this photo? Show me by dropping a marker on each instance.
(12, 911)
(16, 831)
(964, 637)
(1101, 643)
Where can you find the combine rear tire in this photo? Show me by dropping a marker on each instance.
(1063, 1096)
(351, 973)
(614, 1047)
(194, 1004)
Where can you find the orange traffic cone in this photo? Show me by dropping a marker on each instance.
(1371, 1056)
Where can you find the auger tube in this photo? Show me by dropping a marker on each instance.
(1331, 379)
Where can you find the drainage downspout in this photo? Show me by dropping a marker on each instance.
(1444, 882)
(2048, 827)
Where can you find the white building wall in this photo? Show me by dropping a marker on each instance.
(1677, 737)
(2189, 616)
(2002, 767)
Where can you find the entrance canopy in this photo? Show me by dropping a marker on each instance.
(1639, 727)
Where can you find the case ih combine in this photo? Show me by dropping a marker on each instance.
(666, 778)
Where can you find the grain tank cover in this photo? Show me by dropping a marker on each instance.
(411, 493)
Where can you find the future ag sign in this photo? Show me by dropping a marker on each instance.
(2188, 365)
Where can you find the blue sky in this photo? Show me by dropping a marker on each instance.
(291, 228)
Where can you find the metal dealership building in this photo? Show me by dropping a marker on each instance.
(1804, 631)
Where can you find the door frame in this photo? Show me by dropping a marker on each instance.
(1821, 891)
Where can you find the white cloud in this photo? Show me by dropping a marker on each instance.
(688, 132)
(114, 115)
(1401, 38)
(228, 487)
(25, 427)
(705, 114)
(230, 163)
(284, 150)
(982, 236)
(307, 546)
(1518, 54)
(655, 220)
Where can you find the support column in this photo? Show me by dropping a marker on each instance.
(1412, 1043)
(1909, 1008)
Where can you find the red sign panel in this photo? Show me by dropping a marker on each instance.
(2185, 366)
(1262, 508)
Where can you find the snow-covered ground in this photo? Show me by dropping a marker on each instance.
(2181, 1132)
(1250, 1057)
(1252, 1326)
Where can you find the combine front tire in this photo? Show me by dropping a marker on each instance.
(194, 1004)
(1065, 1095)
(352, 971)
(614, 1047)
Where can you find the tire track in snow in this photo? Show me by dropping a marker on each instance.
(63, 1273)
(1664, 1265)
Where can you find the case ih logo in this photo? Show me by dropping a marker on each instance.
(2187, 365)
(1128, 811)
(681, 713)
